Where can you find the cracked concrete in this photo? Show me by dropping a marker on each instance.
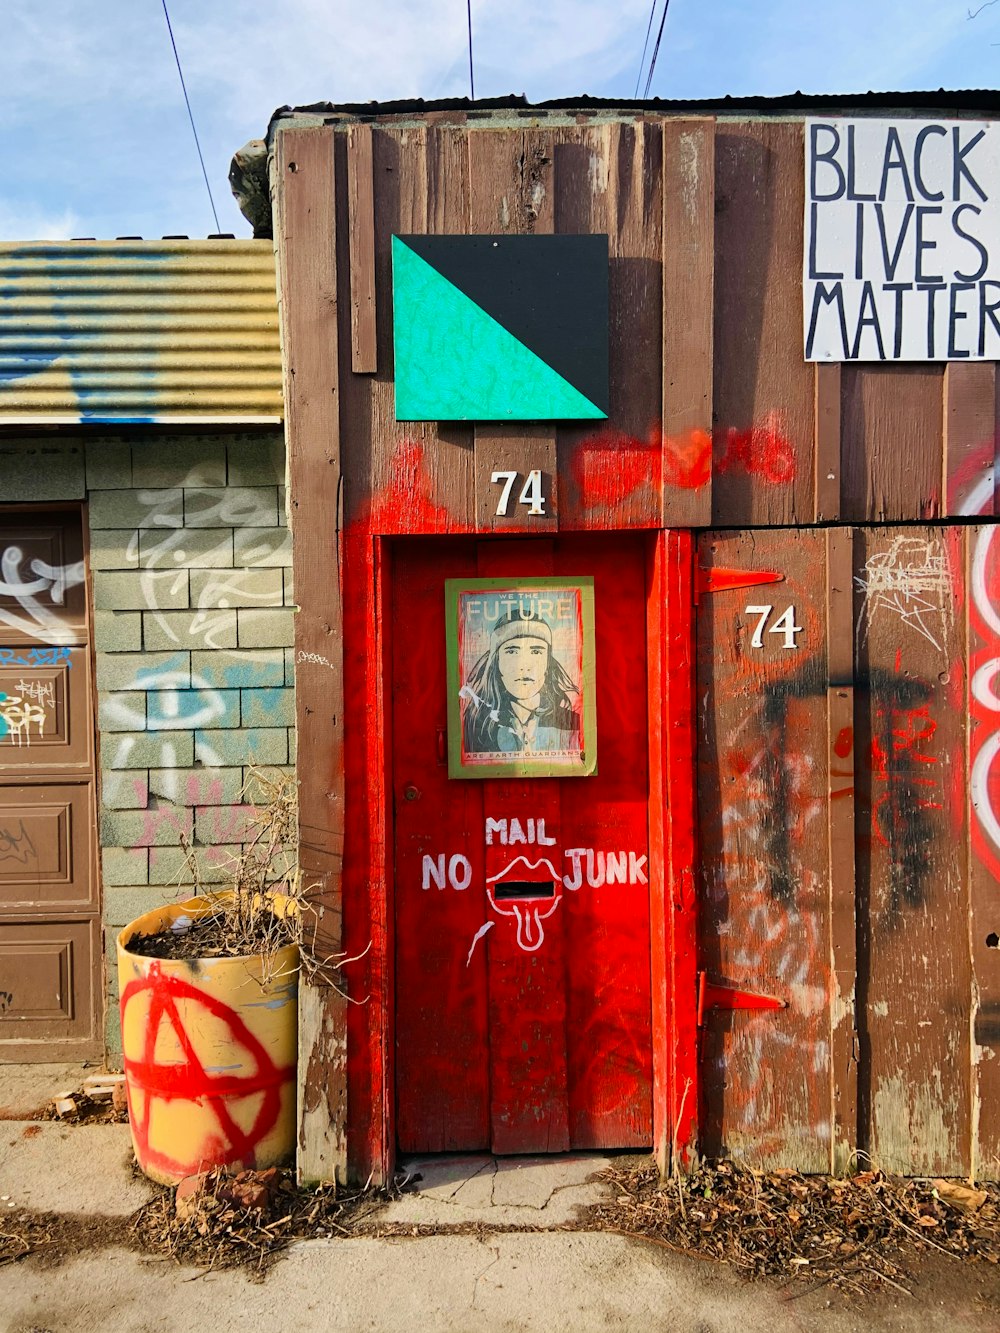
(500, 1191)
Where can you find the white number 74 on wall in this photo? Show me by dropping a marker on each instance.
(531, 492)
(785, 624)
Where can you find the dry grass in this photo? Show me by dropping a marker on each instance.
(855, 1233)
(264, 903)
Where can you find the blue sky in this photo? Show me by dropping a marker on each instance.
(96, 140)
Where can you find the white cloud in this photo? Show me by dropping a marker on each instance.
(31, 223)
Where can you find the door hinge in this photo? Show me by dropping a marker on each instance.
(711, 996)
(721, 579)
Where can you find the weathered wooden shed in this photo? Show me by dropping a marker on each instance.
(797, 634)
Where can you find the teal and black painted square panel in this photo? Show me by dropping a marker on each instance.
(500, 328)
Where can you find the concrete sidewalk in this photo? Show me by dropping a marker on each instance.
(545, 1278)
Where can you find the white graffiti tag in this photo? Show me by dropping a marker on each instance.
(35, 592)
(911, 581)
(17, 717)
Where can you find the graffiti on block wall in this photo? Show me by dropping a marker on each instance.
(180, 702)
(158, 545)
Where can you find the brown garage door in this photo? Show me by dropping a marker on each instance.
(50, 925)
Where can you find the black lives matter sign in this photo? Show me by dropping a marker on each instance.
(902, 240)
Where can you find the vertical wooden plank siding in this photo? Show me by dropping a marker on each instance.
(764, 392)
(914, 972)
(309, 305)
(762, 795)
(511, 191)
(984, 864)
(891, 442)
(827, 466)
(608, 180)
(970, 435)
(688, 320)
(449, 460)
(361, 245)
(841, 760)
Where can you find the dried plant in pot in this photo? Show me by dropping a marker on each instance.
(209, 1011)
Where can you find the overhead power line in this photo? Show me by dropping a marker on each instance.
(645, 48)
(656, 48)
(187, 103)
(472, 81)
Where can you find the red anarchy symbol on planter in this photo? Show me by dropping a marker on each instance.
(192, 1082)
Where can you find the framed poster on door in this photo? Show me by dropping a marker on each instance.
(521, 692)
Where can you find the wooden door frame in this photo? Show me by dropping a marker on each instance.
(673, 845)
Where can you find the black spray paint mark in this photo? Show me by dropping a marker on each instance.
(904, 780)
(904, 783)
(780, 860)
(16, 844)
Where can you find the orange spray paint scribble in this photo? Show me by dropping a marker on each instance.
(762, 451)
(609, 468)
(687, 460)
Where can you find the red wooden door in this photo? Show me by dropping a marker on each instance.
(521, 905)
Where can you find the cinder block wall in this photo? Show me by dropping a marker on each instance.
(193, 626)
(191, 567)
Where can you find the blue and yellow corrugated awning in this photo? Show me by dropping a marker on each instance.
(139, 332)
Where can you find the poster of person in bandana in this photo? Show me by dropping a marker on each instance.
(521, 678)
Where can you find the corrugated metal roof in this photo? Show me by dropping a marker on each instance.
(982, 100)
(139, 332)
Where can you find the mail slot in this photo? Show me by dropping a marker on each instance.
(524, 889)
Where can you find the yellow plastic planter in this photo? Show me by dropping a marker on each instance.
(210, 1051)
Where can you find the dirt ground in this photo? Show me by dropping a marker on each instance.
(512, 1281)
(148, 1272)
(579, 1242)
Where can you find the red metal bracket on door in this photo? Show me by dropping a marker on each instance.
(711, 996)
(719, 580)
